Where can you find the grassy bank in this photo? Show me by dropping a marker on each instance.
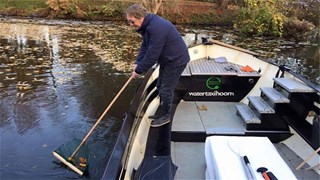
(180, 12)
(24, 8)
(275, 18)
(27, 5)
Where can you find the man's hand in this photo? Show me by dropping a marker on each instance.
(134, 75)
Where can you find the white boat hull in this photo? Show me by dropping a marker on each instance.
(138, 148)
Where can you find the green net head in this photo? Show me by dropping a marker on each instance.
(81, 159)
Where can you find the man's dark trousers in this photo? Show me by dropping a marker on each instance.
(167, 82)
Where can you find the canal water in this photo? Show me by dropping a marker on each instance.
(56, 80)
(57, 77)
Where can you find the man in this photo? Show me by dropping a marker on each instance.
(161, 44)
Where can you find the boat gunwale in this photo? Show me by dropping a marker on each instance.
(114, 166)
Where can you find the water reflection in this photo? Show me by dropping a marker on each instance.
(25, 117)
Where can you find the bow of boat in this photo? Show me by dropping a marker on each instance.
(225, 94)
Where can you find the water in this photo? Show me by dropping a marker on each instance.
(57, 77)
(56, 80)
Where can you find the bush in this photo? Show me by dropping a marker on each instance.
(118, 8)
(302, 9)
(297, 28)
(260, 17)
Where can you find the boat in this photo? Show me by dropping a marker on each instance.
(234, 115)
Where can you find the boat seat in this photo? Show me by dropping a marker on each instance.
(216, 67)
(293, 86)
(247, 114)
(224, 158)
(216, 79)
(260, 105)
(186, 71)
(274, 95)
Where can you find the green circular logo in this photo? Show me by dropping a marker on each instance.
(213, 83)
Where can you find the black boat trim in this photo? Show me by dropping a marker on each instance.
(158, 146)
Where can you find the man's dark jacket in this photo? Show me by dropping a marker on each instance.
(162, 43)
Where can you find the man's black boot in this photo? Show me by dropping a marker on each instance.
(165, 119)
(159, 112)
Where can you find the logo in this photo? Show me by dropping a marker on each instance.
(213, 83)
(211, 94)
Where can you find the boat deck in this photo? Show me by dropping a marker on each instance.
(215, 118)
(200, 117)
(208, 117)
(189, 157)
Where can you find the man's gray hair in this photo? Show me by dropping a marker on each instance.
(137, 11)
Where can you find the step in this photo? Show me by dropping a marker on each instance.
(293, 86)
(260, 105)
(274, 95)
(247, 114)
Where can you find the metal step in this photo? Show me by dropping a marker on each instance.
(292, 85)
(247, 114)
(260, 105)
(274, 95)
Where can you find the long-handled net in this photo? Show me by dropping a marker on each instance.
(74, 154)
(80, 159)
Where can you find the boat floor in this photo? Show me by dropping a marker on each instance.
(219, 117)
(209, 117)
